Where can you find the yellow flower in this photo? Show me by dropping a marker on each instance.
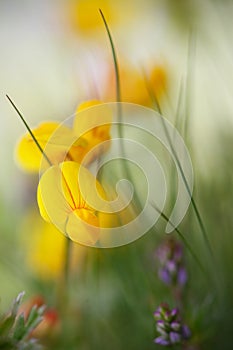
(44, 248)
(61, 143)
(71, 198)
(84, 15)
(55, 139)
(134, 87)
(158, 81)
(93, 126)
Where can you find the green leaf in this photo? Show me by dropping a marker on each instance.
(34, 318)
(19, 329)
(15, 331)
(7, 325)
(16, 303)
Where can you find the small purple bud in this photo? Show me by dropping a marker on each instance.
(164, 275)
(162, 341)
(161, 323)
(186, 333)
(175, 337)
(157, 315)
(171, 266)
(182, 276)
(161, 327)
(167, 316)
(175, 326)
(174, 313)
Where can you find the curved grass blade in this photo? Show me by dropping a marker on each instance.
(29, 130)
(193, 202)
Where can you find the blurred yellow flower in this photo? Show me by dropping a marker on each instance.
(45, 246)
(52, 137)
(62, 143)
(71, 198)
(158, 81)
(93, 126)
(134, 86)
(84, 15)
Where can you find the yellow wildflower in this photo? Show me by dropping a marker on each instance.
(61, 143)
(71, 198)
(134, 85)
(55, 138)
(158, 81)
(84, 15)
(93, 126)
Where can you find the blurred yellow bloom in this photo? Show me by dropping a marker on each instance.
(45, 246)
(71, 198)
(158, 81)
(98, 122)
(84, 15)
(134, 87)
(55, 139)
(62, 143)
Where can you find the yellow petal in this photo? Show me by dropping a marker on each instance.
(84, 15)
(83, 227)
(158, 81)
(69, 196)
(93, 125)
(55, 140)
(27, 153)
(51, 200)
(133, 87)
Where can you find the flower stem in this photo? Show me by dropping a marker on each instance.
(126, 170)
(193, 202)
(63, 287)
(67, 261)
(117, 75)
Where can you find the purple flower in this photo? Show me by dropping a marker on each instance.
(186, 333)
(170, 329)
(165, 276)
(162, 341)
(175, 337)
(175, 326)
(182, 276)
(172, 269)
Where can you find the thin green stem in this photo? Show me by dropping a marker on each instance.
(63, 285)
(126, 169)
(189, 79)
(193, 202)
(29, 130)
(117, 75)
(179, 103)
(62, 295)
(68, 247)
